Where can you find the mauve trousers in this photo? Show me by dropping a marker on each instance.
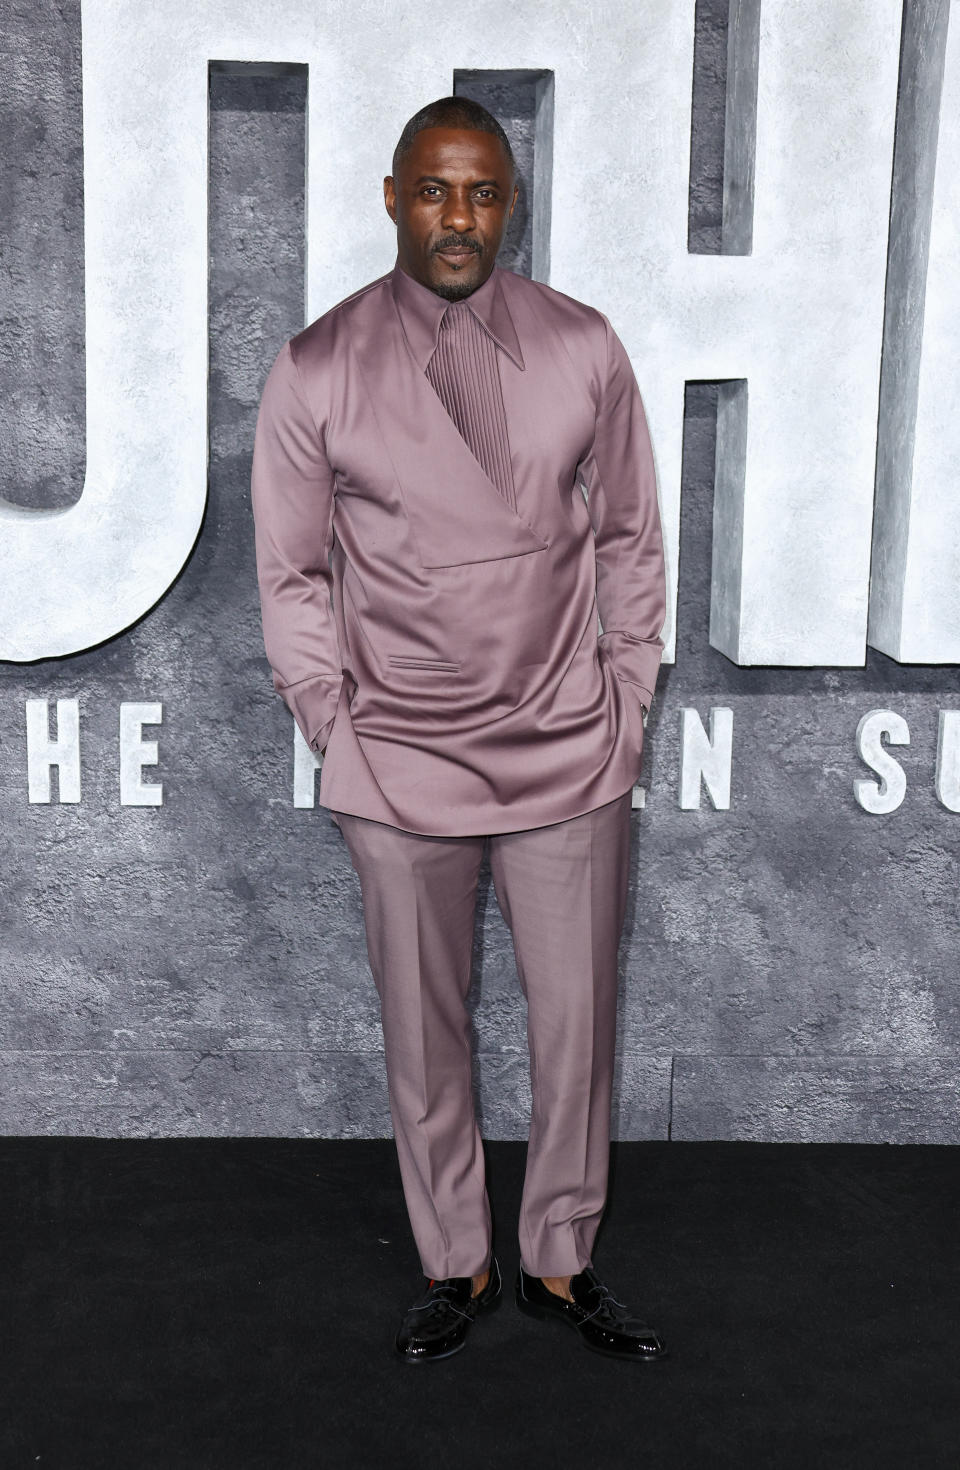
(562, 890)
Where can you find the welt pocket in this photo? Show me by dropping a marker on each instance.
(437, 665)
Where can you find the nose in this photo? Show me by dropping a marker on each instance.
(458, 212)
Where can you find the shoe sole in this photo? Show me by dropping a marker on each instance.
(543, 1314)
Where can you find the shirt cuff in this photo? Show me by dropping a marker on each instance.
(635, 661)
(313, 704)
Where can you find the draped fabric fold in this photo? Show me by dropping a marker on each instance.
(464, 374)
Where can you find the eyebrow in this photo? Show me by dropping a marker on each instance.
(477, 183)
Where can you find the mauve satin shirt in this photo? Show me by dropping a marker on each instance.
(434, 544)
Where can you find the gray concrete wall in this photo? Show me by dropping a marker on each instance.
(199, 967)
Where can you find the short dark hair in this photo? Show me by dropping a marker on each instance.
(451, 112)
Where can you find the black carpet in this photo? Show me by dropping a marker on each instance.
(191, 1304)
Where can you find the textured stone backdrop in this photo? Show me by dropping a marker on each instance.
(199, 968)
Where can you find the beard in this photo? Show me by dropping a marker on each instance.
(454, 288)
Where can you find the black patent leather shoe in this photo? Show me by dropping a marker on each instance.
(604, 1325)
(436, 1326)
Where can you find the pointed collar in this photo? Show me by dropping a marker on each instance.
(422, 309)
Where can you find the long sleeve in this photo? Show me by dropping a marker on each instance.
(620, 480)
(293, 499)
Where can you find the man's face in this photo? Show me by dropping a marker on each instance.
(451, 201)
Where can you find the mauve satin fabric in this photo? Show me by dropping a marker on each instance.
(439, 643)
(562, 889)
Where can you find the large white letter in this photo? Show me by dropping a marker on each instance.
(799, 320)
(135, 753)
(706, 758)
(886, 795)
(71, 578)
(63, 752)
(948, 759)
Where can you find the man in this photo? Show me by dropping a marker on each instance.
(452, 475)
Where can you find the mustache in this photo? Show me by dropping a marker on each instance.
(458, 242)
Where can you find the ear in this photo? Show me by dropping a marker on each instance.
(390, 197)
(513, 201)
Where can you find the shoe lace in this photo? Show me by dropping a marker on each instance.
(440, 1296)
(607, 1305)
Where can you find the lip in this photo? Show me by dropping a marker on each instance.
(456, 256)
